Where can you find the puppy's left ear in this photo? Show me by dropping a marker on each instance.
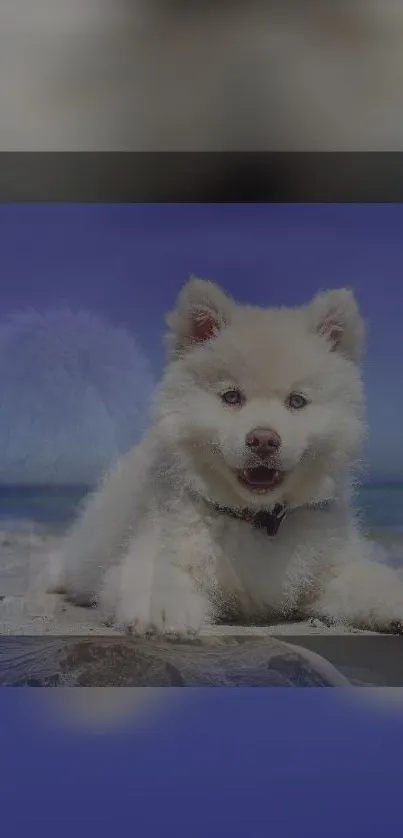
(202, 310)
(335, 316)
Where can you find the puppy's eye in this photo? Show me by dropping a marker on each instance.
(296, 401)
(234, 397)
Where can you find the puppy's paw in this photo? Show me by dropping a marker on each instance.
(141, 628)
(391, 626)
(366, 596)
(160, 630)
(322, 622)
(182, 623)
(396, 627)
(389, 618)
(147, 605)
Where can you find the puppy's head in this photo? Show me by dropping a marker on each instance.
(262, 404)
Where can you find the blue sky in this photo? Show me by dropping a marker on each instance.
(126, 262)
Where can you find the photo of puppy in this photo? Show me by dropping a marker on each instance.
(236, 504)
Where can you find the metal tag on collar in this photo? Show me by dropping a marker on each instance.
(271, 520)
(277, 515)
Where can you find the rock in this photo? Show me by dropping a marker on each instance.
(225, 661)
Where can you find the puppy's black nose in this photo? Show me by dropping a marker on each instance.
(263, 442)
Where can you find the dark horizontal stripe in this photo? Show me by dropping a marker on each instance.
(232, 660)
(201, 176)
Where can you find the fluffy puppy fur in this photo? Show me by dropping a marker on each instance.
(164, 545)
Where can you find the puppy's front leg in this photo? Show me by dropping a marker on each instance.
(364, 594)
(149, 594)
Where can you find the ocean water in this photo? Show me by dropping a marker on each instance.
(381, 507)
(23, 507)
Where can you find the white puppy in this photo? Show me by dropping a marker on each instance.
(236, 504)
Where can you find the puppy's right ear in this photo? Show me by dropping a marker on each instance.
(202, 310)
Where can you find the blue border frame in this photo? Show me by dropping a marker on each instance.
(217, 762)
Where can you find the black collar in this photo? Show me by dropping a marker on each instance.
(267, 519)
(263, 519)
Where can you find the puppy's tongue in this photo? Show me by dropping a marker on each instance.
(261, 477)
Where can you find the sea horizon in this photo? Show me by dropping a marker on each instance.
(379, 503)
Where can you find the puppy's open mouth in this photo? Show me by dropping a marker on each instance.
(261, 478)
